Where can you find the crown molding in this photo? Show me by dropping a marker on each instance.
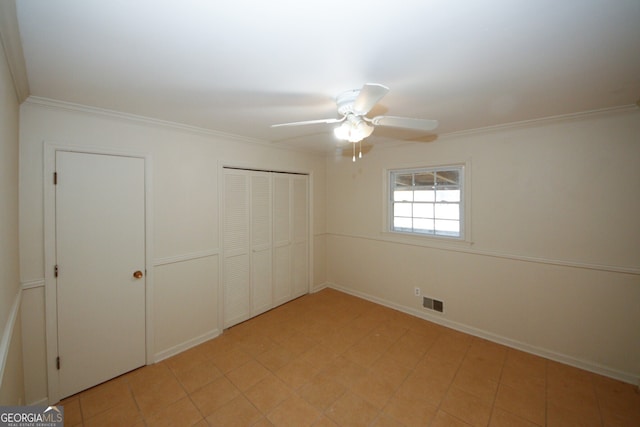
(12, 45)
(581, 115)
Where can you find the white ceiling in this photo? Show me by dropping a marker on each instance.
(239, 66)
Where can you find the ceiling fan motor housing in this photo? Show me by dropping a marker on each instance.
(345, 101)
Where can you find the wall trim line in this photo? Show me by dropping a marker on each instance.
(7, 334)
(538, 351)
(185, 257)
(31, 284)
(464, 247)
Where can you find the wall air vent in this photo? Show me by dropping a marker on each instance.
(433, 304)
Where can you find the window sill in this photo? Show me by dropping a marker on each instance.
(426, 240)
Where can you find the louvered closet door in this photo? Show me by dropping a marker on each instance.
(283, 291)
(237, 273)
(266, 244)
(300, 235)
(261, 271)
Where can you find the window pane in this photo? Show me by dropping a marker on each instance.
(404, 180)
(447, 177)
(424, 179)
(449, 228)
(423, 210)
(447, 211)
(448, 196)
(402, 223)
(403, 196)
(402, 209)
(423, 225)
(424, 196)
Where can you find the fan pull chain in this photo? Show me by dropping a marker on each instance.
(360, 150)
(354, 152)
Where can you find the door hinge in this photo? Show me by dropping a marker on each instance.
(55, 178)
(55, 271)
(58, 363)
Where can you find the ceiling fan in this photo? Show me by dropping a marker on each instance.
(354, 105)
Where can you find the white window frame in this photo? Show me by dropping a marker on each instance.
(462, 169)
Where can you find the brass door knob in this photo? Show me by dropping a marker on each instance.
(137, 274)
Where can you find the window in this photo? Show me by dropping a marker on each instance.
(427, 201)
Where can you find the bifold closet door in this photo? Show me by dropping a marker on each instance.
(266, 243)
(260, 232)
(300, 235)
(282, 238)
(290, 236)
(237, 303)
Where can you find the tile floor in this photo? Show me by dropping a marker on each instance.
(330, 359)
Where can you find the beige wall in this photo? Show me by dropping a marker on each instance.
(553, 262)
(551, 266)
(11, 388)
(186, 241)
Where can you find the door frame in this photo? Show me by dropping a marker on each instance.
(51, 317)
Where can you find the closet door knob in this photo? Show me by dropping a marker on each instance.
(138, 274)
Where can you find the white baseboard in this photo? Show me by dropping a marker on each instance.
(176, 349)
(40, 402)
(548, 354)
(319, 287)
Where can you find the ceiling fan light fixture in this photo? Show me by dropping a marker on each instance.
(353, 130)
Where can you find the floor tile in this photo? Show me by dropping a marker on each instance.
(213, 395)
(275, 358)
(125, 414)
(180, 413)
(231, 359)
(268, 393)
(247, 375)
(195, 376)
(345, 371)
(238, 412)
(296, 373)
(186, 359)
(466, 407)
(294, 412)
(105, 396)
(442, 419)
(409, 413)
(523, 402)
(385, 420)
(322, 391)
(374, 389)
(72, 411)
(164, 393)
(502, 418)
(330, 359)
(478, 385)
(352, 410)
(362, 354)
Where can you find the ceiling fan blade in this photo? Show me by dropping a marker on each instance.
(405, 122)
(369, 96)
(309, 122)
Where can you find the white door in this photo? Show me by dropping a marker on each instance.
(100, 257)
